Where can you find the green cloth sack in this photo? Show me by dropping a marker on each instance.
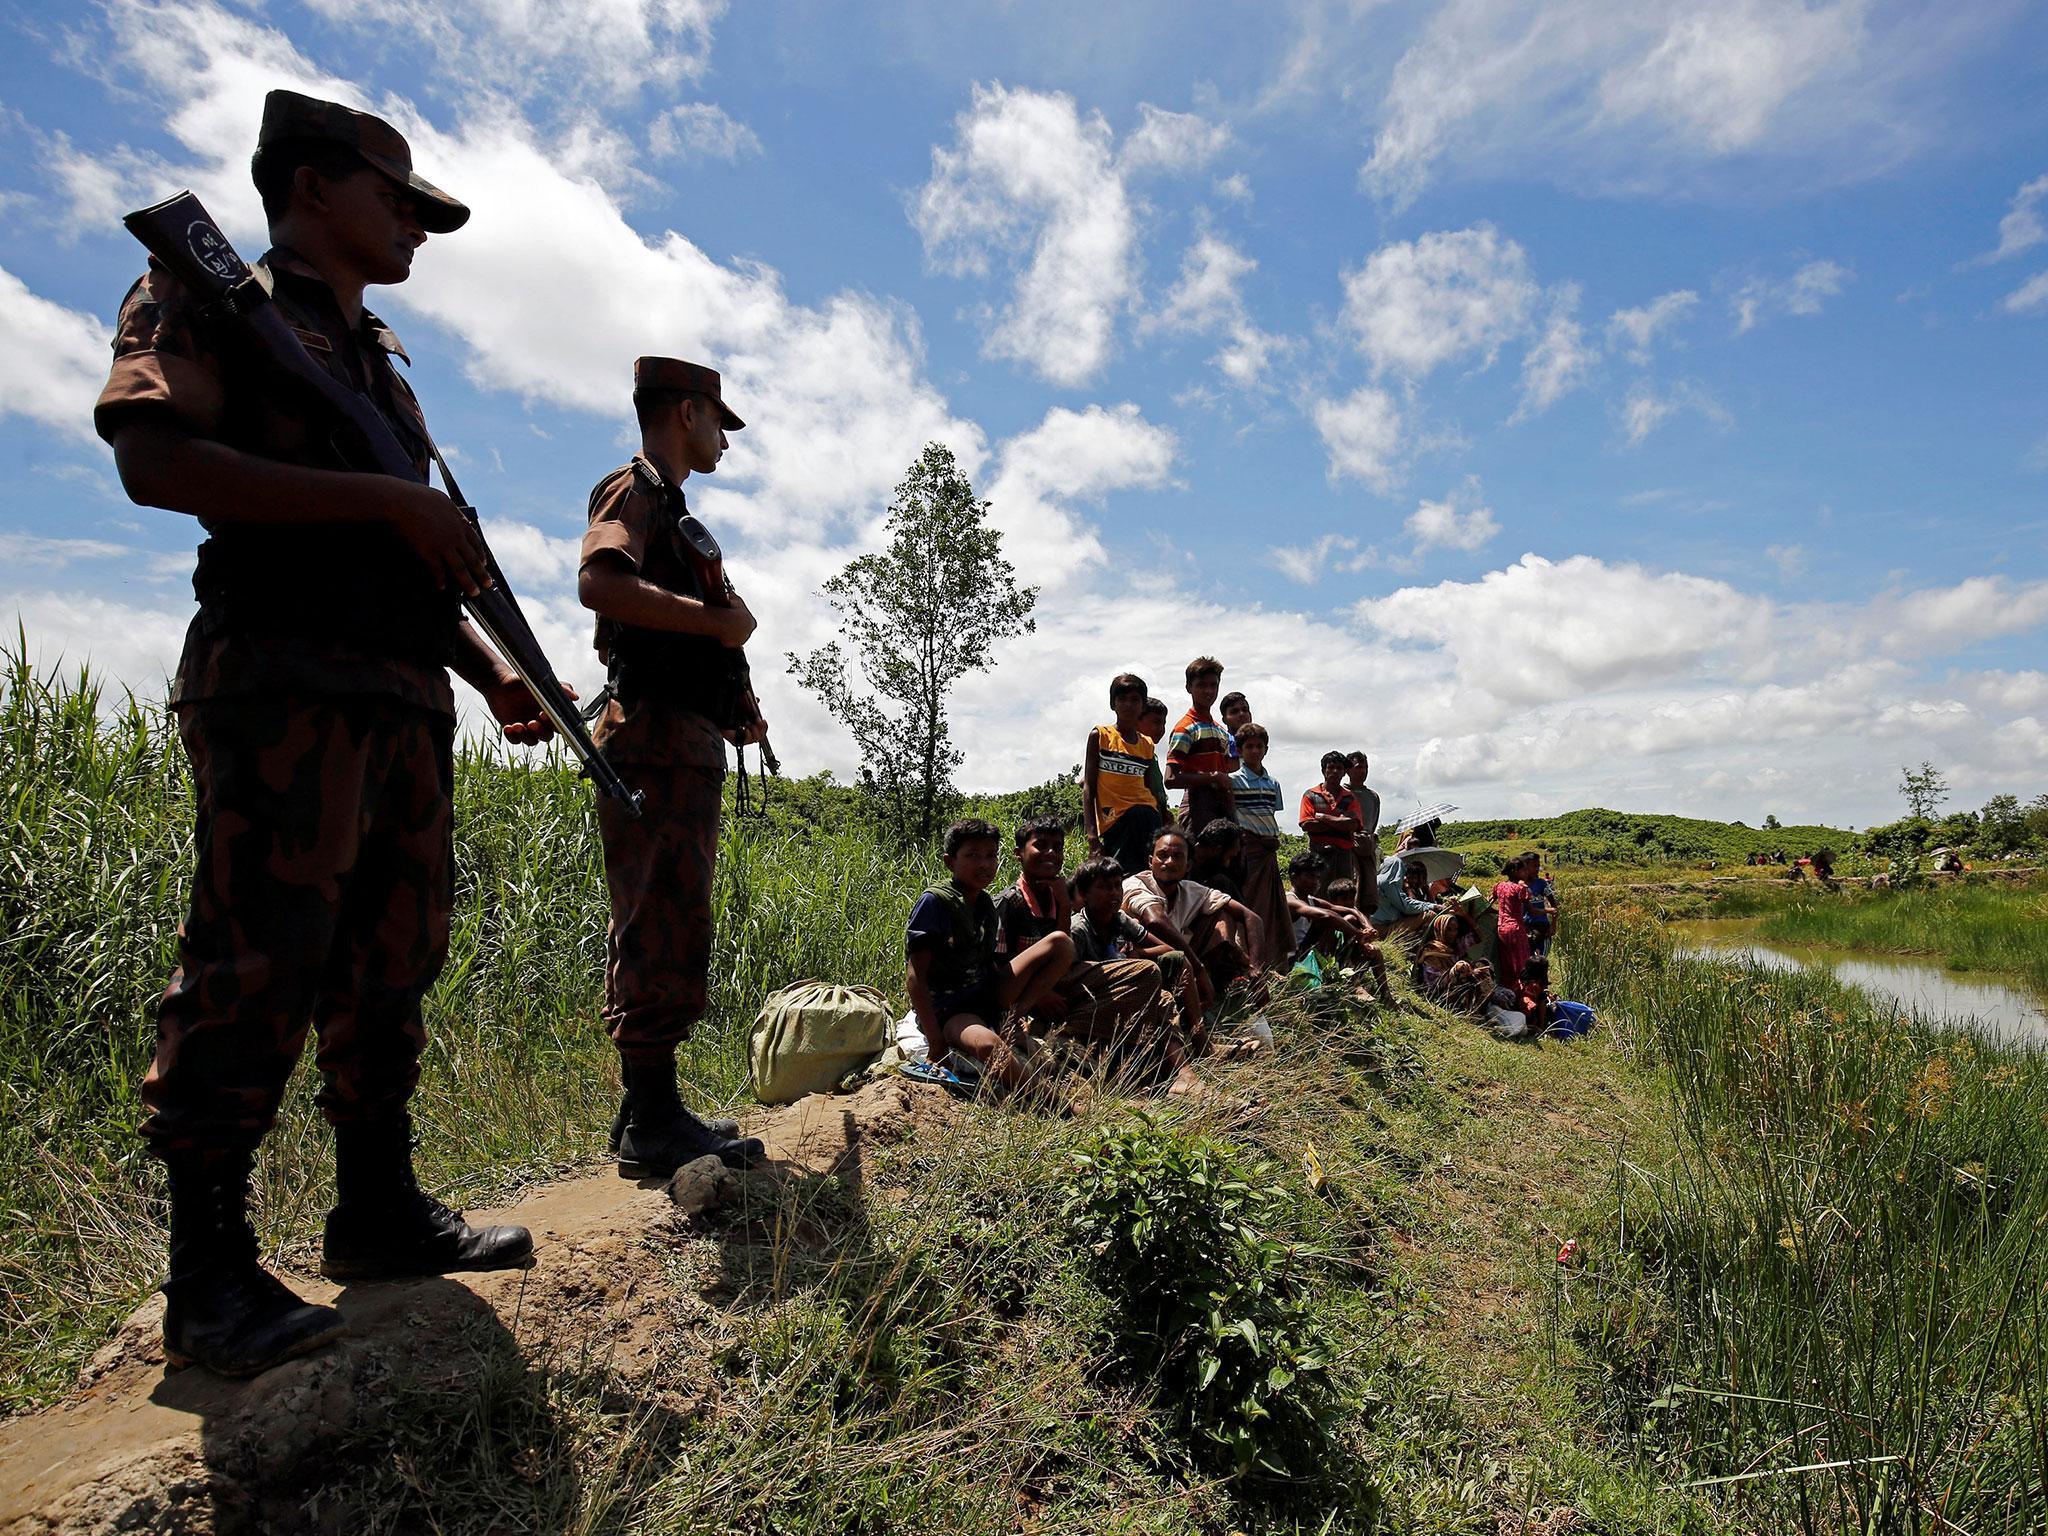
(813, 1033)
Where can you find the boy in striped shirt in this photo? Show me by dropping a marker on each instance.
(1198, 756)
(1257, 797)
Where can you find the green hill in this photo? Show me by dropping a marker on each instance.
(1597, 836)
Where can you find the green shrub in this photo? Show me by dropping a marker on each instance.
(1211, 1299)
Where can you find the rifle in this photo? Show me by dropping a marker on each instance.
(181, 234)
(704, 556)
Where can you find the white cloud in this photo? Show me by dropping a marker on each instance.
(530, 51)
(699, 130)
(1071, 456)
(53, 360)
(1647, 408)
(1803, 293)
(1236, 188)
(1593, 627)
(2022, 227)
(1456, 522)
(1637, 328)
(1171, 141)
(1418, 304)
(1207, 299)
(1027, 172)
(1718, 77)
(1643, 94)
(1362, 433)
(2018, 692)
(1560, 359)
(2030, 296)
(1790, 559)
(1331, 554)
(28, 549)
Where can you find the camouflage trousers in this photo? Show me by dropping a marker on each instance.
(323, 873)
(659, 871)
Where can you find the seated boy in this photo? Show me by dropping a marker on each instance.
(1256, 795)
(1118, 765)
(1105, 934)
(1098, 1000)
(1331, 927)
(963, 993)
(1221, 932)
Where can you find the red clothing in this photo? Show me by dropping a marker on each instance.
(1320, 802)
(1511, 901)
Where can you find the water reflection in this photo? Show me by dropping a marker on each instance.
(2002, 1010)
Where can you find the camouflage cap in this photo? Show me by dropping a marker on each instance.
(693, 378)
(288, 115)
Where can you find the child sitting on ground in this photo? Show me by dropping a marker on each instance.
(1257, 798)
(1098, 1000)
(1222, 933)
(1117, 808)
(1105, 934)
(1330, 927)
(1532, 995)
(963, 994)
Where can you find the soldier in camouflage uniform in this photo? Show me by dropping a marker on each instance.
(313, 700)
(670, 627)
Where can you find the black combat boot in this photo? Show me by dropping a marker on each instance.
(385, 1227)
(222, 1309)
(728, 1129)
(660, 1135)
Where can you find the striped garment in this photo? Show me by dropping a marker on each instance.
(1258, 802)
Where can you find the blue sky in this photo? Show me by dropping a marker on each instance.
(1635, 404)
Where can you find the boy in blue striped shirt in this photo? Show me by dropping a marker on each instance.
(1256, 799)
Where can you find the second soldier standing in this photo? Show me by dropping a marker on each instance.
(669, 630)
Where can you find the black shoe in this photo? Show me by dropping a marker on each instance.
(222, 1309)
(660, 1135)
(385, 1227)
(658, 1150)
(729, 1129)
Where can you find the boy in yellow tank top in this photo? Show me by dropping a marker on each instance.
(1117, 809)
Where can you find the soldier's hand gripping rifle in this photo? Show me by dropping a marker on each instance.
(181, 234)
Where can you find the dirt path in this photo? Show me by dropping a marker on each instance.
(137, 1447)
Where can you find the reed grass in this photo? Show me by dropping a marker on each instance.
(1828, 1307)
(518, 1072)
(1970, 926)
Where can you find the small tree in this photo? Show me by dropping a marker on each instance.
(920, 615)
(1923, 790)
(1771, 824)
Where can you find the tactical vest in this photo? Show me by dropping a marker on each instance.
(965, 960)
(356, 585)
(688, 672)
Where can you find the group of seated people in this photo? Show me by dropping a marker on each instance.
(1170, 916)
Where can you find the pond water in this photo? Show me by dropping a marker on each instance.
(2003, 1009)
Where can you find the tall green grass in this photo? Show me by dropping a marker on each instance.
(518, 1082)
(1832, 1297)
(1971, 926)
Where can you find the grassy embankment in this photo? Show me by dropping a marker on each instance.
(1597, 846)
(1844, 1265)
(1820, 1242)
(1969, 927)
(990, 1326)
